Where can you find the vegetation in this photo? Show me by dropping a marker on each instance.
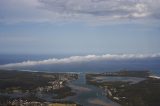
(32, 83)
(10, 80)
(144, 93)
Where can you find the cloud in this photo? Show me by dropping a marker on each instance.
(14, 11)
(78, 10)
(101, 8)
(80, 59)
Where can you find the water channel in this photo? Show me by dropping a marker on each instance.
(88, 95)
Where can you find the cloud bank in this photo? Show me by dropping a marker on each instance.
(78, 10)
(80, 59)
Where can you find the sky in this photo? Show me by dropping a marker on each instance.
(79, 26)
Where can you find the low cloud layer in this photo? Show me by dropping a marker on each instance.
(80, 59)
(78, 10)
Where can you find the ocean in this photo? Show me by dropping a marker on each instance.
(151, 64)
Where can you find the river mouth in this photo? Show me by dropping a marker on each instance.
(88, 95)
(86, 89)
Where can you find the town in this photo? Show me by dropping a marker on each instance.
(125, 87)
(24, 88)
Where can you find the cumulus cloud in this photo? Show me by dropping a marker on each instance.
(78, 10)
(80, 59)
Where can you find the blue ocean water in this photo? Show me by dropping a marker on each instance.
(16, 58)
(101, 66)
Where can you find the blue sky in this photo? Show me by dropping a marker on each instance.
(79, 27)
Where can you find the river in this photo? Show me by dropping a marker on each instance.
(88, 95)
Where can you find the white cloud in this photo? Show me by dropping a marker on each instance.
(78, 10)
(79, 59)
